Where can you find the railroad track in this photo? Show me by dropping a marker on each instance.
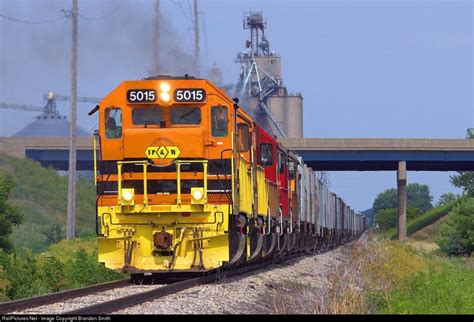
(52, 298)
(135, 299)
(132, 299)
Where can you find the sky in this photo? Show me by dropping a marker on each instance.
(366, 69)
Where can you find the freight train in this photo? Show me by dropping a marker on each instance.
(188, 182)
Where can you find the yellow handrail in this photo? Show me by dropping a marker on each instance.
(144, 163)
(178, 182)
(95, 161)
(119, 181)
(178, 177)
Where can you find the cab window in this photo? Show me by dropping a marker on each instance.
(185, 115)
(266, 154)
(220, 121)
(113, 123)
(147, 115)
(244, 137)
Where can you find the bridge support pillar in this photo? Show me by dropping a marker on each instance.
(402, 199)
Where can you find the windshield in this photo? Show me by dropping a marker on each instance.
(185, 115)
(147, 115)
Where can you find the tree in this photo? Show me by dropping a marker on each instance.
(465, 179)
(54, 233)
(388, 218)
(447, 198)
(385, 200)
(418, 196)
(9, 214)
(457, 232)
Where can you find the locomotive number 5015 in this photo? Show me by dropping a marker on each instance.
(141, 95)
(190, 95)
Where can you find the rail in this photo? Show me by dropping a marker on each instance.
(59, 296)
(135, 299)
(173, 287)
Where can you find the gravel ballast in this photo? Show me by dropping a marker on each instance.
(83, 301)
(251, 293)
(254, 292)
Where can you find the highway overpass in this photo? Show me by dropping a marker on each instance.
(321, 154)
(49, 151)
(384, 154)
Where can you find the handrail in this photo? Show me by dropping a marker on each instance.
(178, 177)
(291, 221)
(268, 221)
(281, 221)
(145, 164)
(95, 160)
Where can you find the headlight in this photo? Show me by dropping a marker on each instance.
(197, 194)
(127, 194)
(165, 87)
(165, 97)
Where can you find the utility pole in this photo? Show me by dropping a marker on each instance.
(196, 39)
(155, 69)
(71, 189)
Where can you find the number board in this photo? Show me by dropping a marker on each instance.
(141, 95)
(190, 95)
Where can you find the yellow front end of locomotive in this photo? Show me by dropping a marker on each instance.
(136, 236)
(144, 239)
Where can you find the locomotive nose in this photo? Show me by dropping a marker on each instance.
(163, 145)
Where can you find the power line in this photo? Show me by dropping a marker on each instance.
(67, 14)
(183, 11)
(100, 17)
(32, 21)
(205, 38)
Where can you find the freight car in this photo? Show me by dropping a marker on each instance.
(187, 181)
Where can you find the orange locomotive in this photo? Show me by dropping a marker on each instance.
(186, 181)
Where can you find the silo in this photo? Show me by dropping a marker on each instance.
(276, 105)
(294, 116)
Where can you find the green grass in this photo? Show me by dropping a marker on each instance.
(445, 288)
(41, 195)
(400, 278)
(424, 220)
(66, 265)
